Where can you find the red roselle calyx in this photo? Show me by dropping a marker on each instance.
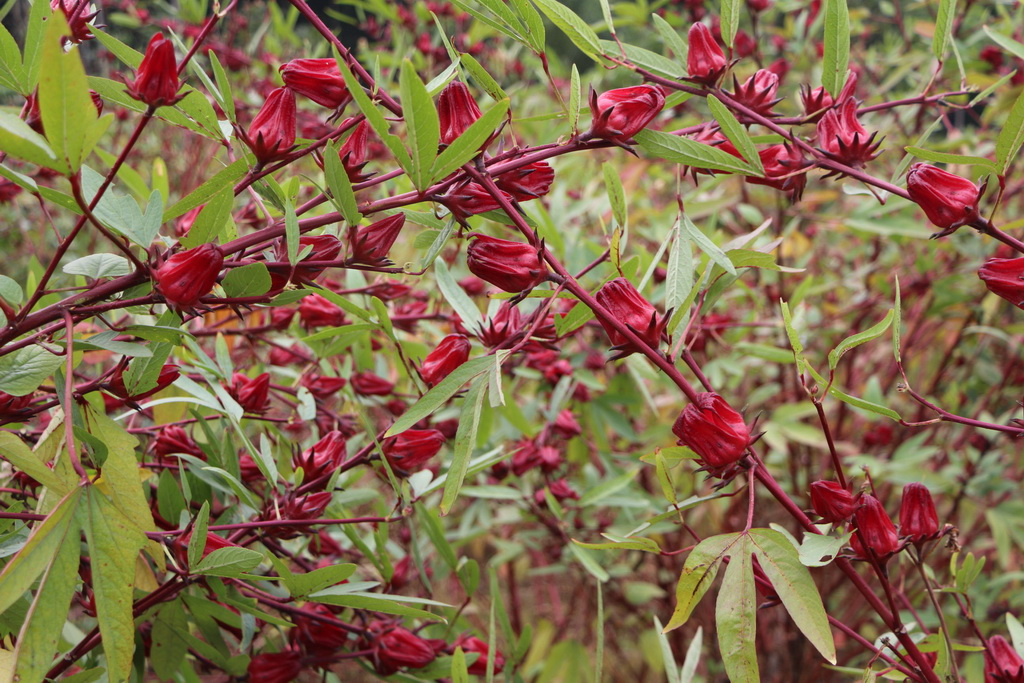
(874, 531)
(275, 667)
(116, 385)
(842, 137)
(620, 114)
(503, 325)
(528, 182)
(758, 92)
(782, 165)
(948, 200)
(918, 519)
(318, 79)
(189, 275)
(511, 266)
(394, 648)
(252, 394)
(174, 439)
(714, 431)
(479, 667)
(705, 62)
(832, 502)
(471, 199)
(80, 25)
(317, 248)
(271, 134)
(353, 153)
(409, 451)
(1005, 277)
(1002, 663)
(452, 352)
(156, 81)
(457, 110)
(630, 308)
(318, 311)
(370, 244)
(369, 384)
(324, 456)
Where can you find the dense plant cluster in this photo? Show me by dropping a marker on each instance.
(437, 340)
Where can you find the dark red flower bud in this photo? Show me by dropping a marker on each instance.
(318, 631)
(318, 79)
(298, 506)
(452, 352)
(918, 519)
(815, 101)
(560, 489)
(511, 266)
(370, 244)
(758, 91)
(80, 23)
(566, 426)
(875, 532)
(622, 113)
(275, 667)
(323, 456)
(116, 385)
(288, 355)
(11, 406)
(783, 170)
(397, 648)
(528, 182)
(281, 317)
(759, 5)
(156, 81)
(713, 430)
(479, 667)
(410, 450)
(832, 502)
(323, 386)
(272, 133)
(627, 306)
(1005, 277)
(471, 199)
(1002, 662)
(457, 110)
(315, 247)
(189, 275)
(369, 384)
(251, 394)
(503, 325)
(842, 136)
(317, 311)
(948, 200)
(213, 542)
(705, 62)
(353, 153)
(174, 439)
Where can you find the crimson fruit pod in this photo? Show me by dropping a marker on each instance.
(479, 667)
(252, 394)
(1005, 277)
(918, 519)
(832, 502)
(272, 133)
(394, 648)
(875, 532)
(511, 266)
(275, 667)
(116, 385)
(189, 275)
(156, 82)
(410, 450)
(353, 153)
(174, 439)
(948, 200)
(457, 110)
(1002, 663)
(713, 430)
(705, 62)
(452, 352)
(620, 114)
(317, 79)
(370, 244)
(630, 308)
(758, 91)
(842, 137)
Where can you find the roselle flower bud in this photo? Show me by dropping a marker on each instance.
(116, 385)
(80, 25)
(1004, 277)
(369, 384)
(629, 307)
(452, 352)
(713, 430)
(528, 182)
(471, 644)
(275, 667)
(397, 648)
(918, 519)
(323, 386)
(320, 248)
(189, 275)
(781, 165)
(318, 311)
(758, 92)
(318, 631)
(409, 451)
(471, 199)
(1002, 663)
(370, 244)
(511, 266)
(620, 114)
(174, 439)
(156, 81)
(288, 355)
(318, 79)
(12, 406)
(213, 542)
(948, 200)
(252, 394)
(457, 110)
(271, 134)
(705, 62)
(832, 502)
(875, 532)
(502, 326)
(565, 425)
(323, 456)
(842, 137)
(815, 101)
(353, 153)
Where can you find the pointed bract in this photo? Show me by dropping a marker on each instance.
(622, 113)
(317, 79)
(271, 134)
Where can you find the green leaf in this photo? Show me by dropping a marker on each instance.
(40, 634)
(679, 277)
(534, 32)
(421, 124)
(431, 524)
(342, 194)
(795, 587)
(646, 59)
(121, 213)
(730, 17)
(705, 244)
(169, 648)
(697, 575)
(819, 550)
(95, 266)
(11, 70)
(589, 563)
(197, 542)
(577, 317)
(852, 400)
(374, 116)
(229, 562)
(387, 604)
(855, 340)
(647, 545)
(205, 192)
(302, 585)
(18, 454)
(575, 99)
(1011, 136)
(465, 441)
(11, 291)
(65, 106)
(439, 395)
(252, 279)
(457, 297)
(943, 28)
(19, 140)
(1014, 47)
(616, 193)
(836, 57)
(671, 37)
(114, 545)
(735, 131)
(23, 371)
(948, 158)
(209, 224)
(682, 150)
(736, 616)
(897, 322)
(569, 23)
(469, 144)
(482, 78)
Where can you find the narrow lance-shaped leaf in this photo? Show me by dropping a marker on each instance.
(873, 332)
(730, 15)
(467, 146)
(439, 395)
(465, 442)
(374, 116)
(943, 28)
(421, 124)
(682, 150)
(342, 194)
(1011, 137)
(736, 616)
(836, 57)
(570, 23)
(736, 133)
(705, 244)
(575, 99)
